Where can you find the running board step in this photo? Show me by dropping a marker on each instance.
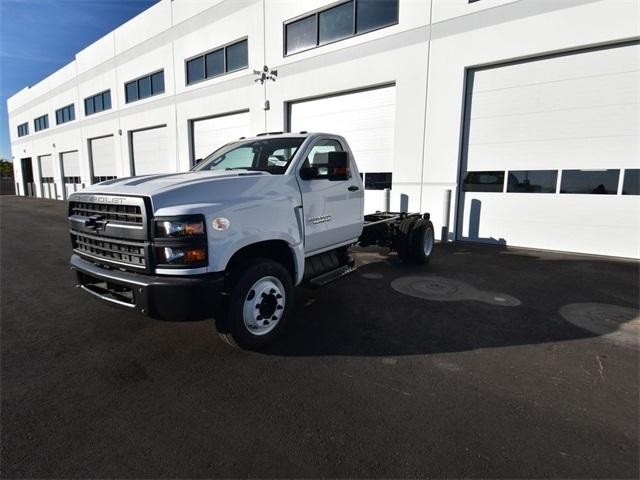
(332, 275)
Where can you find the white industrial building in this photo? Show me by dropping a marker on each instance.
(527, 110)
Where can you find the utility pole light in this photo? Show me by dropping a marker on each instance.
(265, 74)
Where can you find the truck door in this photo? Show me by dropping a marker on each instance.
(332, 209)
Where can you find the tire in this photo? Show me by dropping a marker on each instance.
(422, 239)
(403, 239)
(259, 305)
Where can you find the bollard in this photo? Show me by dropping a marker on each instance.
(55, 191)
(446, 213)
(387, 199)
(29, 190)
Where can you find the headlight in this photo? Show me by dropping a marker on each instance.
(181, 255)
(184, 227)
(180, 241)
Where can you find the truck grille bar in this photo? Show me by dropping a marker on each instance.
(131, 214)
(130, 253)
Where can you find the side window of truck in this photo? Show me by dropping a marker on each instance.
(315, 167)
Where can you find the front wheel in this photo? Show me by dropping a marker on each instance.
(259, 306)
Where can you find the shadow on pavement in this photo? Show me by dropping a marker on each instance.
(362, 315)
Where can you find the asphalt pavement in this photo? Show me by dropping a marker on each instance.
(473, 373)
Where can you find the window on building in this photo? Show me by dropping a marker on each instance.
(377, 180)
(488, 181)
(237, 56)
(65, 114)
(301, 34)
(532, 181)
(631, 184)
(229, 58)
(41, 123)
(144, 87)
(374, 14)
(103, 178)
(592, 182)
(72, 180)
(97, 103)
(23, 129)
(337, 22)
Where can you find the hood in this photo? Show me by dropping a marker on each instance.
(151, 185)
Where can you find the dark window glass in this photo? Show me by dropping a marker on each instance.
(377, 181)
(144, 87)
(491, 181)
(72, 112)
(336, 23)
(195, 70)
(97, 101)
(237, 56)
(23, 129)
(66, 114)
(41, 123)
(59, 117)
(132, 91)
(157, 82)
(88, 106)
(596, 182)
(631, 185)
(301, 34)
(215, 63)
(532, 181)
(372, 14)
(106, 100)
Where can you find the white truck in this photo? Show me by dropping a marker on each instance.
(231, 239)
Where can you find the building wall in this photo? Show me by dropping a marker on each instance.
(425, 55)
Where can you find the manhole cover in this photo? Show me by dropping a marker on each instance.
(612, 322)
(446, 289)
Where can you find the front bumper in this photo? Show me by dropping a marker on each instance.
(165, 298)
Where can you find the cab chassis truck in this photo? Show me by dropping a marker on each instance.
(233, 237)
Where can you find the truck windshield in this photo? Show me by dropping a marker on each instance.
(271, 155)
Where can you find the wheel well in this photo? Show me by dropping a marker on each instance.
(277, 250)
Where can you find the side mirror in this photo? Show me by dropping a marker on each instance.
(338, 165)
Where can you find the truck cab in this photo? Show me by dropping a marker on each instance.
(231, 238)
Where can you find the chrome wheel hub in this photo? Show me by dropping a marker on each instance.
(264, 306)
(427, 243)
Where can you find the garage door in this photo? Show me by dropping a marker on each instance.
(150, 151)
(366, 120)
(103, 159)
(209, 134)
(551, 151)
(71, 172)
(47, 176)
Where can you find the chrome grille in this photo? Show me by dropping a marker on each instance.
(130, 253)
(130, 214)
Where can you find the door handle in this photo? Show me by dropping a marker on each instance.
(353, 188)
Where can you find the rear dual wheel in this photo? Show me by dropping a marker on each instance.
(415, 240)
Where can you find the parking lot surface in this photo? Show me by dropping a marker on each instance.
(472, 366)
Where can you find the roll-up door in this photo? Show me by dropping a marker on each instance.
(103, 159)
(209, 134)
(71, 172)
(367, 120)
(150, 151)
(47, 178)
(548, 146)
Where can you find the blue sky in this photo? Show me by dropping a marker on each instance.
(37, 37)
